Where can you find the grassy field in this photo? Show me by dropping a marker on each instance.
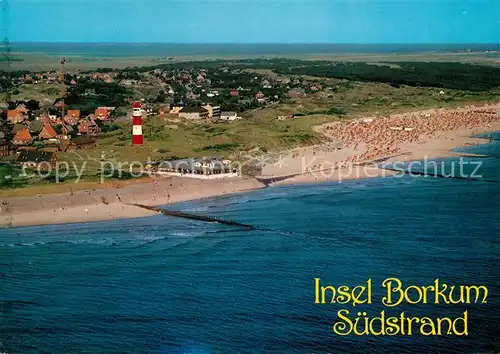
(260, 131)
(46, 94)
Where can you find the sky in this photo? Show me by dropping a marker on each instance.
(260, 21)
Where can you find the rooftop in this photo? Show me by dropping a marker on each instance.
(34, 156)
(193, 110)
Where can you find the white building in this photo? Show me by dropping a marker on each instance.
(228, 116)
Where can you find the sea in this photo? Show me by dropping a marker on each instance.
(235, 49)
(168, 285)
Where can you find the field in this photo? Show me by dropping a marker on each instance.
(33, 62)
(46, 94)
(258, 132)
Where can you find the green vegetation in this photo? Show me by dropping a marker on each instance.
(444, 75)
(451, 75)
(87, 95)
(12, 177)
(219, 148)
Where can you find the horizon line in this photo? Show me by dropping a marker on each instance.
(256, 43)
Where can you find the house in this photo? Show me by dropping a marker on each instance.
(22, 108)
(37, 159)
(44, 118)
(234, 93)
(15, 116)
(316, 87)
(200, 78)
(74, 113)
(17, 127)
(81, 143)
(22, 137)
(213, 93)
(28, 79)
(193, 113)
(290, 116)
(297, 93)
(69, 129)
(89, 128)
(213, 111)
(104, 77)
(260, 97)
(4, 148)
(101, 113)
(192, 96)
(162, 109)
(83, 127)
(128, 82)
(266, 84)
(175, 109)
(203, 166)
(47, 132)
(71, 120)
(228, 116)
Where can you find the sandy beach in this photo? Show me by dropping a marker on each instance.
(115, 203)
(356, 147)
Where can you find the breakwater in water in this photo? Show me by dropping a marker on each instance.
(180, 214)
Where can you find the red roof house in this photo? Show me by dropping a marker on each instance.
(101, 113)
(74, 113)
(22, 137)
(15, 116)
(47, 132)
(44, 117)
(22, 108)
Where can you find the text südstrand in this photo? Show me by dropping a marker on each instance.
(358, 322)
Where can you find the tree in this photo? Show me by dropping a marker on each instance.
(33, 105)
(162, 97)
(120, 112)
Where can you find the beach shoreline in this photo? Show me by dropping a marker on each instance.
(294, 168)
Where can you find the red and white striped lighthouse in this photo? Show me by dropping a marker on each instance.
(137, 138)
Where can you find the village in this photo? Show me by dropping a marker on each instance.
(87, 104)
(197, 112)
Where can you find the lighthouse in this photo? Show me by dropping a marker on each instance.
(137, 138)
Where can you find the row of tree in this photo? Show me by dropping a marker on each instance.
(431, 74)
